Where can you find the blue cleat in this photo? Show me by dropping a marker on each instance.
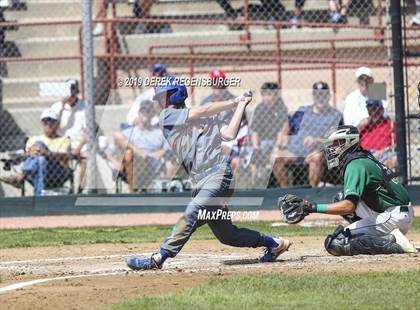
(138, 263)
(271, 254)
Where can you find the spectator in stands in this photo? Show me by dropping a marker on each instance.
(72, 123)
(143, 149)
(230, 12)
(102, 13)
(338, 11)
(355, 108)
(301, 137)
(47, 158)
(268, 120)
(376, 134)
(157, 70)
(270, 9)
(297, 13)
(141, 9)
(221, 93)
(415, 20)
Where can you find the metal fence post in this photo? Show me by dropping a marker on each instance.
(397, 61)
(87, 43)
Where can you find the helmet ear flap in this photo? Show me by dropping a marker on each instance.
(179, 95)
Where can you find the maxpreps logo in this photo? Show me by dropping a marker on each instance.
(224, 214)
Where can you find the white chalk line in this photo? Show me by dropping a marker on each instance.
(20, 285)
(76, 258)
(102, 271)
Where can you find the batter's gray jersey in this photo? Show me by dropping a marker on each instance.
(196, 143)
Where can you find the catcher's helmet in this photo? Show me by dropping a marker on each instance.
(343, 140)
(171, 88)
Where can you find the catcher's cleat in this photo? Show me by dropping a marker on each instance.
(271, 254)
(138, 263)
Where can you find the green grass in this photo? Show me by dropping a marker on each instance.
(373, 290)
(10, 238)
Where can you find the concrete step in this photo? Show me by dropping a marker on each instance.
(60, 46)
(69, 46)
(63, 31)
(43, 68)
(72, 8)
(28, 87)
(29, 102)
(48, 9)
(43, 31)
(139, 44)
(181, 8)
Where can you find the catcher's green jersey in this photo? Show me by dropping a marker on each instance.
(364, 179)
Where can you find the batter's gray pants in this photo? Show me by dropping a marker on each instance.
(211, 194)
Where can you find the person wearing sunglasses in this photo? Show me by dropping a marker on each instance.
(46, 165)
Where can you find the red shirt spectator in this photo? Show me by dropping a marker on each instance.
(377, 136)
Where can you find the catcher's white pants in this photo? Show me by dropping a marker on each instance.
(381, 224)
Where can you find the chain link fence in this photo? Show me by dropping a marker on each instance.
(411, 41)
(309, 64)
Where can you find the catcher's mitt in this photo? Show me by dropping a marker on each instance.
(294, 209)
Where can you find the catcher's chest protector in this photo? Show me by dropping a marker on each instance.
(387, 173)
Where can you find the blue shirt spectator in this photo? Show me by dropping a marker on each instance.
(308, 122)
(301, 137)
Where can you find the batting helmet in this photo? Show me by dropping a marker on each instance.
(171, 86)
(158, 69)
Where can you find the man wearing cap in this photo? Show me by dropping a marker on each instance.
(72, 123)
(221, 93)
(157, 70)
(355, 108)
(267, 122)
(143, 149)
(301, 137)
(46, 164)
(376, 134)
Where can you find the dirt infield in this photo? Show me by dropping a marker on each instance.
(89, 276)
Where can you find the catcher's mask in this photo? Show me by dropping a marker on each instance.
(340, 141)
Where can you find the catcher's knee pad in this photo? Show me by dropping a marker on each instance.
(343, 243)
(337, 243)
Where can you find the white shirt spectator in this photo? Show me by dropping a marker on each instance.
(355, 109)
(133, 113)
(73, 121)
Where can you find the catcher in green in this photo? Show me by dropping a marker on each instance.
(375, 204)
